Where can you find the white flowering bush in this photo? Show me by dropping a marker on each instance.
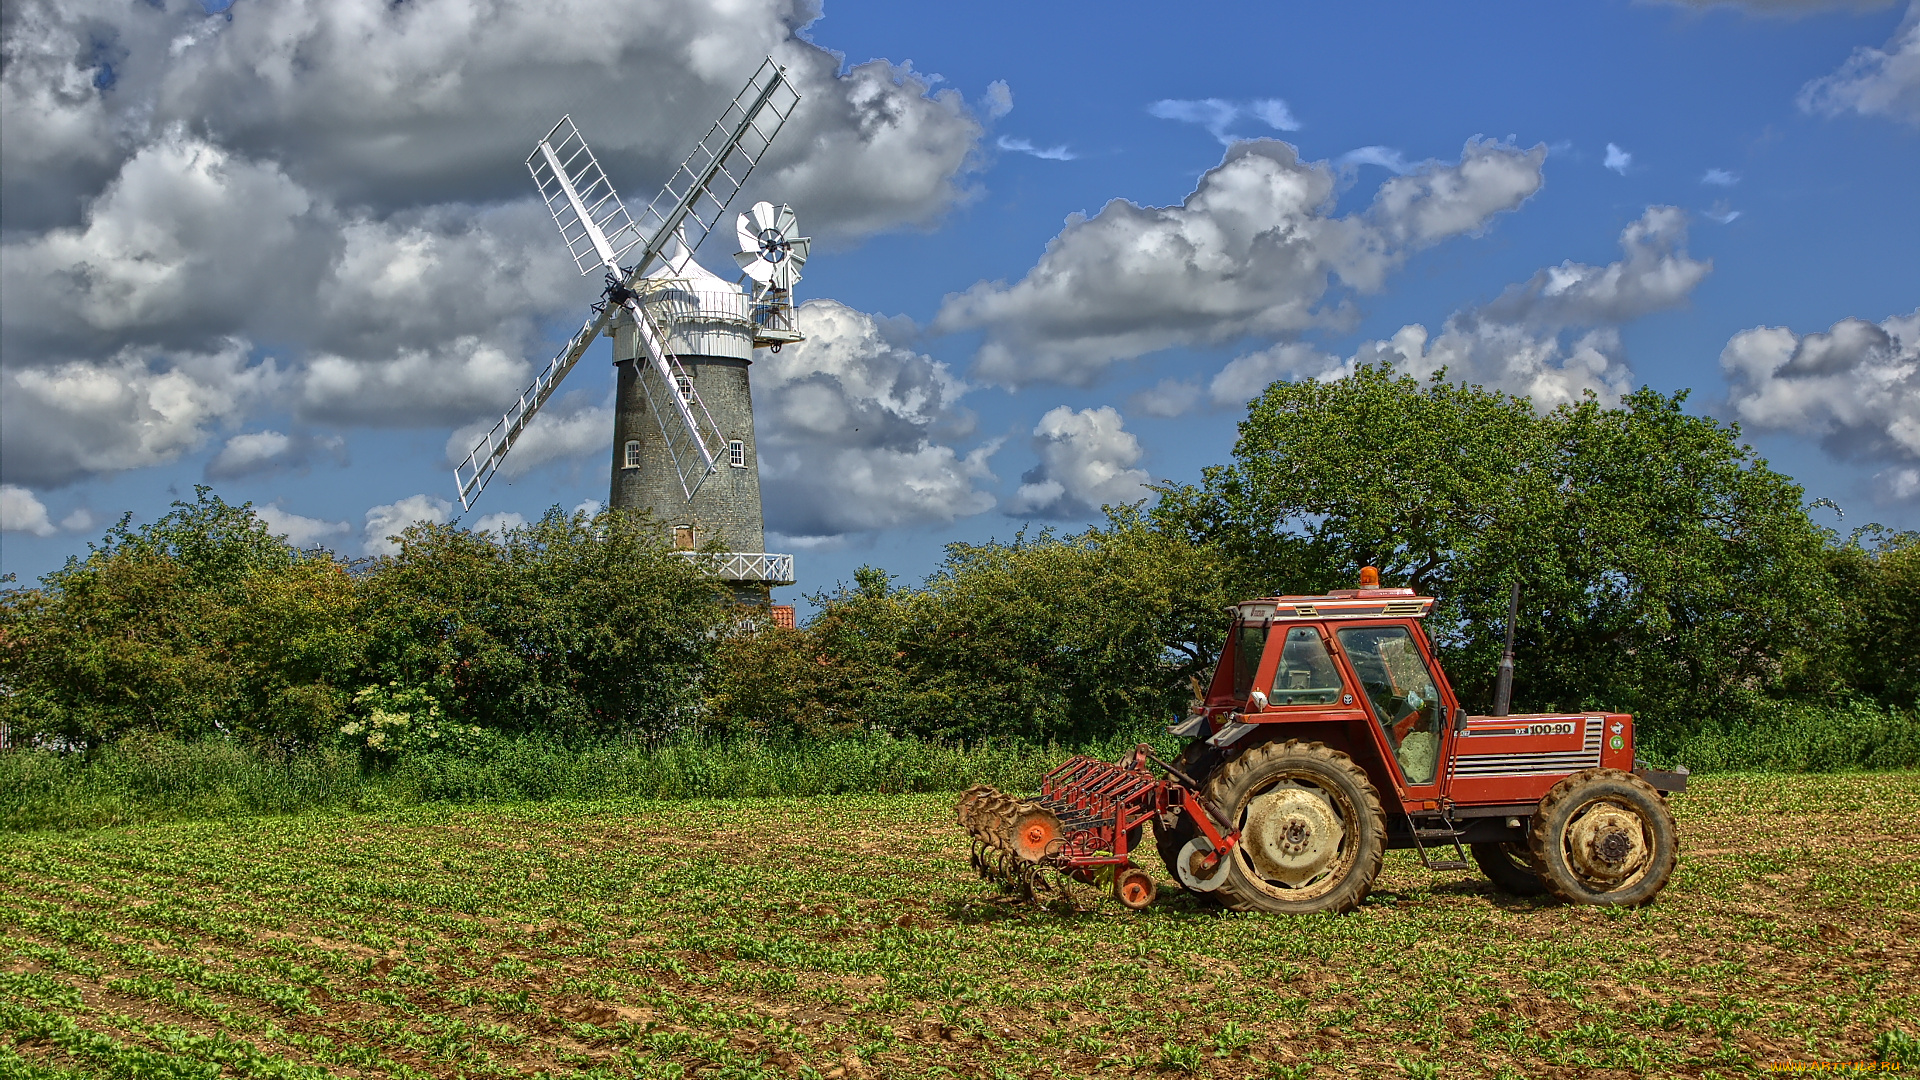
(396, 720)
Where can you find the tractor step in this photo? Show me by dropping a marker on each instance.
(1448, 864)
(1436, 834)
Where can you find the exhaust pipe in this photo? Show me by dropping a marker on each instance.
(1503, 682)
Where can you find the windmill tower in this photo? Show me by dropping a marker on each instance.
(683, 337)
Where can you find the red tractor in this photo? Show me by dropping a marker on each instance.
(1328, 735)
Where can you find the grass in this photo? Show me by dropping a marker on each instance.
(156, 779)
(844, 937)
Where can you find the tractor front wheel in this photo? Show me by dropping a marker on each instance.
(1311, 829)
(1603, 836)
(1509, 867)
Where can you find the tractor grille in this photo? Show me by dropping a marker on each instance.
(1538, 763)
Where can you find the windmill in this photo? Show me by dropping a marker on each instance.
(683, 337)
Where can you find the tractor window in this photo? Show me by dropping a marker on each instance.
(1249, 639)
(1306, 675)
(1403, 695)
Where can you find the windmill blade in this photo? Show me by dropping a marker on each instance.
(596, 226)
(705, 184)
(755, 267)
(765, 217)
(471, 476)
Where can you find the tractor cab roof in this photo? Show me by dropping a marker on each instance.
(1369, 601)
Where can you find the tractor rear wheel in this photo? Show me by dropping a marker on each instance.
(1311, 829)
(1603, 836)
(1509, 866)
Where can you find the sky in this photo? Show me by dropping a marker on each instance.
(290, 249)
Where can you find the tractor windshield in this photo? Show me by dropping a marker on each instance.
(1243, 653)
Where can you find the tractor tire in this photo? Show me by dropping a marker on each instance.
(1194, 760)
(1312, 832)
(1604, 837)
(1509, 867)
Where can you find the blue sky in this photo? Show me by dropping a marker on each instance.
(295, 254)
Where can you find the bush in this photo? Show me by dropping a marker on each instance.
(1797, 737)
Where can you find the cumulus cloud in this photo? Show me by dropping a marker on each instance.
(1720, 178)
(301, 532)
(134, 409)
(569, 427)
(1086, 460)
(1553, 338)
(22, 511)
(1874, 82)
(264, 453)
(1254, 250)
(501, 523)
(1656, 273)
(1618, 160)
(1219, 115)
(389, 520)
(1855, 387)
(855, 431)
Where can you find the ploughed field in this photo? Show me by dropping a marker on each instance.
(847, 937)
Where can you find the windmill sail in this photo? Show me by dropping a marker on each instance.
(599, 234)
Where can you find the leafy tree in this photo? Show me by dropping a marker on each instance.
(1877, 576)
(198, 624)
(573, 626)
(1044, 638)
(1665, 568)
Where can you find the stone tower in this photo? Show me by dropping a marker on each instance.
(711, 331)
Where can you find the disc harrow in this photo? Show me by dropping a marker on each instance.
(1082, 826)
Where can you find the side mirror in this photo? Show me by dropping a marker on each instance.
(1459, 719)
(1256, 702)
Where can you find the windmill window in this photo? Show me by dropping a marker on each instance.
(737, 454)
(633, 454)
(683, 538)
(685, 385)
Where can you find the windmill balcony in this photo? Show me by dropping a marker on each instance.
(758, 567)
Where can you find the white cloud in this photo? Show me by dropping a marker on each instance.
(854, 429)
(1524, 341)
(80, 520)
(1855, 387)
(1898, 485)
(1723, 214)
(1086, 460)
(1218, 115)
(1246, 377)
(77, 419)
(1720, 178)
(999, 99)
(1874, 82)
(1252, 251)
(1384, 156)
(500, 524)
(1618, 160)
(22, 511)
(1025, 146)
(1168, 397)
(388, 520)
(301, 532)
(258, 453)
(1656, 273)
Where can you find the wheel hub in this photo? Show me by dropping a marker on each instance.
(1608, 843)
(1292, 834)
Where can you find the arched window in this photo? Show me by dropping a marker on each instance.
(684, 383)
(737, 454)
(633, 454)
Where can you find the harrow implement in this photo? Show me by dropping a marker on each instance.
(1083, 825)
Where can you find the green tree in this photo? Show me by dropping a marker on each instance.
(573, 626)
(201, 623)
(1877, 577)
(1665, 568)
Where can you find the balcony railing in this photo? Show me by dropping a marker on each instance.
(757, 567)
